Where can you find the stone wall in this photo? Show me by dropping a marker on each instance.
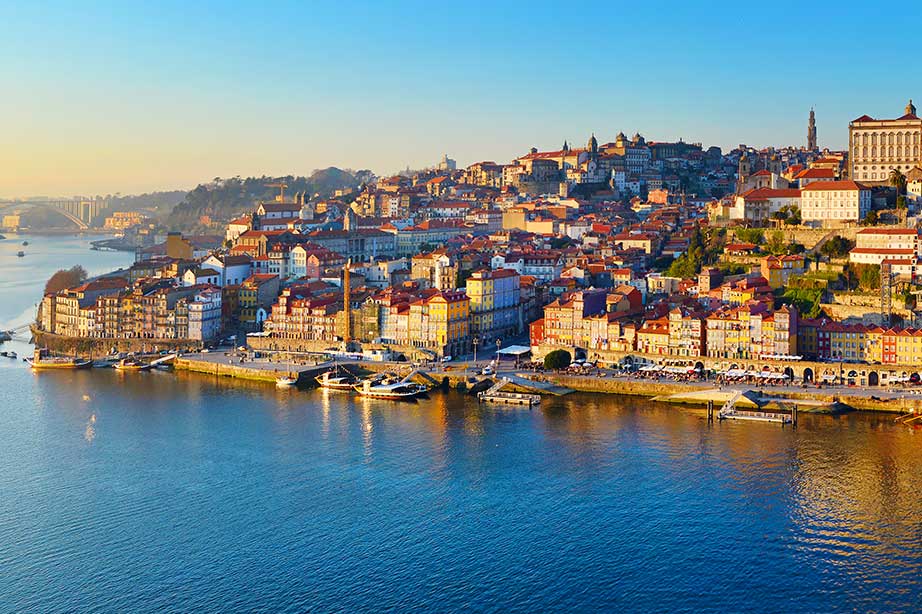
(95, 348)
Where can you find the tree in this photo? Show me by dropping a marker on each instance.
(836, 247)
(776, 243)
(871, 218)
(557, 359)
(898, 181)
(65, 278)
(750, 235)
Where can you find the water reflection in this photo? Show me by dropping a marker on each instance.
(648, 493)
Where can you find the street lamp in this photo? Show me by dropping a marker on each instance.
(499, 344)
(475, 342)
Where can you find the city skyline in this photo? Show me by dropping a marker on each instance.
(118, 99)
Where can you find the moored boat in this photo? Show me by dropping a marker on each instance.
(395, 391)
(285, 381)
(332, 381)
(132, 364)
(20, 253)
(41, 361)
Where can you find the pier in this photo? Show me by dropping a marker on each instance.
(496, 394)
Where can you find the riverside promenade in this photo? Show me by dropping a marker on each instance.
(604, 381)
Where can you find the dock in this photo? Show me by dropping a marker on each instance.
(496, 394)
(730, 411)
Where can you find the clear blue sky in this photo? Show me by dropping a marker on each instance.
(130, 97)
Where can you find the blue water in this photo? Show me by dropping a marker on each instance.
(161, 492)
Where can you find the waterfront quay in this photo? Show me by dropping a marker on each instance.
(305, 367)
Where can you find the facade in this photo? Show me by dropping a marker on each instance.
(495, 297)
(834, 203)
(878, 146)
(205, 315)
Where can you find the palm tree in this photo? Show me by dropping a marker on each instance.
(898, 181)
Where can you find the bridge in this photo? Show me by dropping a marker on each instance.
(80, 211)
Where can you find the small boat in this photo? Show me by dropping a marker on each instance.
(25, 242)
(329, 379)
(396, 391)
(285, 381)
(20, 253)
(132, 364)
(9, 355)
(42, 361)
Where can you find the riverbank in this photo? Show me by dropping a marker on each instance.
(828, 400)
(694, 393)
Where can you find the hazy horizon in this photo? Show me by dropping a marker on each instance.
(113, 98)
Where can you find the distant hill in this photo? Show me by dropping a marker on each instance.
(226, 198)
(159, 201)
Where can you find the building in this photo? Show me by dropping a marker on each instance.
(779, 269)
(811, 132)
(834, 203)
(878, 146)
(232, 269)
(205, 315)
(494, 303)
(256, 295)
(122, 220)
(874, 245)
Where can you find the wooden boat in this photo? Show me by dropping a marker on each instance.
(42, 361)
(132, 364)
(329, 379)
(401, 390)
(20, 253)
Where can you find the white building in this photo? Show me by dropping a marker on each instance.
(877, 146)
(195, 277)
(758, 205)
(233, 270)
(874, 245)
(205, 315)
(834, 203)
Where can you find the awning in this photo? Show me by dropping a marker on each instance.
(515, 350)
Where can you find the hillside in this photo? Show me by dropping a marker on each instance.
(226, 198)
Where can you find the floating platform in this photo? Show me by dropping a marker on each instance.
(509, 398)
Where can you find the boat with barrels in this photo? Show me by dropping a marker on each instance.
(43, 360)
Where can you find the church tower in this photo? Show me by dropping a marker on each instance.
(774, 165)
(811, 131)
(593, 146)
(910, 108)
(745, 168)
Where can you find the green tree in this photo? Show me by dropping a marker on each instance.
(65, 278)
(557, 359)
(871, 218)
(836, 247)
(750, 235)
(776, 243)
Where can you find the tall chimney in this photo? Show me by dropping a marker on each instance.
(347, 303)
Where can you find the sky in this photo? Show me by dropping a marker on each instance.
(130, 97)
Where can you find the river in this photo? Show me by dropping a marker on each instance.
(163, 492)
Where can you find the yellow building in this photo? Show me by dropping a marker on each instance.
(11, 221)
(449, 318)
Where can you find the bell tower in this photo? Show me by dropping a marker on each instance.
(910, 108)
(811, 131)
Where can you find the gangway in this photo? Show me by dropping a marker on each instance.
(163, 359)
(730, 412)
(495, 394)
